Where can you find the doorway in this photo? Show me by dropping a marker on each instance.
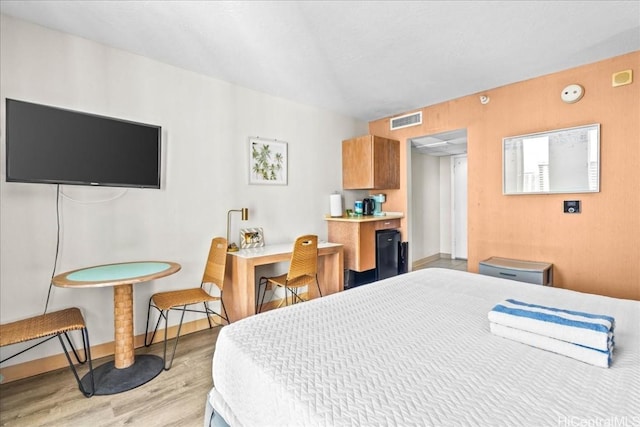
(437, 196)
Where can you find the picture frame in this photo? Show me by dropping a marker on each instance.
(267, 161)
(251, 238)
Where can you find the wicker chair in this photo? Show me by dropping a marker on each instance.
(179, 299)
(49, 326)
(303, 271)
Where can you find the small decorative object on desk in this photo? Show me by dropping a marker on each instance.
(251, 238)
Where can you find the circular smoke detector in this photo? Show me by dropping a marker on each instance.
(572, 93)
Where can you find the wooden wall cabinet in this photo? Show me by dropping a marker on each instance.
(359, 239)
(370, 162)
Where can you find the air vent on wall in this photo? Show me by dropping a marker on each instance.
(407, 120)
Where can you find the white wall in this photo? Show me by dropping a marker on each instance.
(425, 206)
(206, 125)
(430, 206)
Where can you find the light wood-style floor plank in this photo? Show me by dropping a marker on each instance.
(174, 398)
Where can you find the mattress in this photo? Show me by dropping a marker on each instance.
(416, 350)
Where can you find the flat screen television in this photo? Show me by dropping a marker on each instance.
(46, 144)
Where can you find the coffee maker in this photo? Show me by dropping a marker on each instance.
(368, 206)
(379, 199)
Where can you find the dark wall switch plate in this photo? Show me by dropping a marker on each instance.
(572, 206)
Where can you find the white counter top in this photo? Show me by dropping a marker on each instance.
(366, 218)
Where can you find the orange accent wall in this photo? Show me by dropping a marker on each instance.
(596, 251)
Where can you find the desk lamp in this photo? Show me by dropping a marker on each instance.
(232, 247)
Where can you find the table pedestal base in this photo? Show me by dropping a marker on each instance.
(111, 380)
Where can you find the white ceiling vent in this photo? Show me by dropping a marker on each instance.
(407, 120)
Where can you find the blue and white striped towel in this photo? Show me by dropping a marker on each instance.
(585, 329)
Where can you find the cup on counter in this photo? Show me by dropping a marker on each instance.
(357, 207)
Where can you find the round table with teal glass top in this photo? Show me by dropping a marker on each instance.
(126, 371)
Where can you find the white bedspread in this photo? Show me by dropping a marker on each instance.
(416, 350)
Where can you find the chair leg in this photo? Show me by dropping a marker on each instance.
(258, 305)
(263, 282)
(87, 352)
(207, 311)
(210, 313)
(147, 342)
(295, 298)
(224, 310)
(318, 285)
(73, 348)
(283, 299)
(175, 345)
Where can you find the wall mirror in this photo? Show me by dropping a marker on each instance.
(558, 161)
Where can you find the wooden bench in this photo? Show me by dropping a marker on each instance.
(49, 326)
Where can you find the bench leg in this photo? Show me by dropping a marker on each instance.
(87, 358)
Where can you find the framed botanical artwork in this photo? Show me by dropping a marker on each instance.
(267, 161)
(251, 238)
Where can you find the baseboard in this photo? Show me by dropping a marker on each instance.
(416, 265)
(57, 361)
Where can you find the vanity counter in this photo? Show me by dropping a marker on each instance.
(358, 235)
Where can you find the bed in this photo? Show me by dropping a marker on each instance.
(416, 350)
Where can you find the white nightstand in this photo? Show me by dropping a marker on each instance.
(538, 273)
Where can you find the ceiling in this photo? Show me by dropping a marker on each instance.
(442, 144)
(364, 59)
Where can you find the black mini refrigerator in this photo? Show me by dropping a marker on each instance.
(387, 246)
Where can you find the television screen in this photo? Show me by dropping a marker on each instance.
(53, 145)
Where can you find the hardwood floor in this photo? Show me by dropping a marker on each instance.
(453, 264)
(174, 398)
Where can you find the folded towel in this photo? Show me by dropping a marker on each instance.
(584, 354)
(585, 329)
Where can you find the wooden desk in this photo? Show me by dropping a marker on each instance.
(240, 279)
(125, 372)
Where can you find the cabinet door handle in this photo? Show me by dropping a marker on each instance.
(502, 273)
(387, 223)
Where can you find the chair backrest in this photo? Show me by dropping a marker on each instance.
(216, 262)
(304, 260)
